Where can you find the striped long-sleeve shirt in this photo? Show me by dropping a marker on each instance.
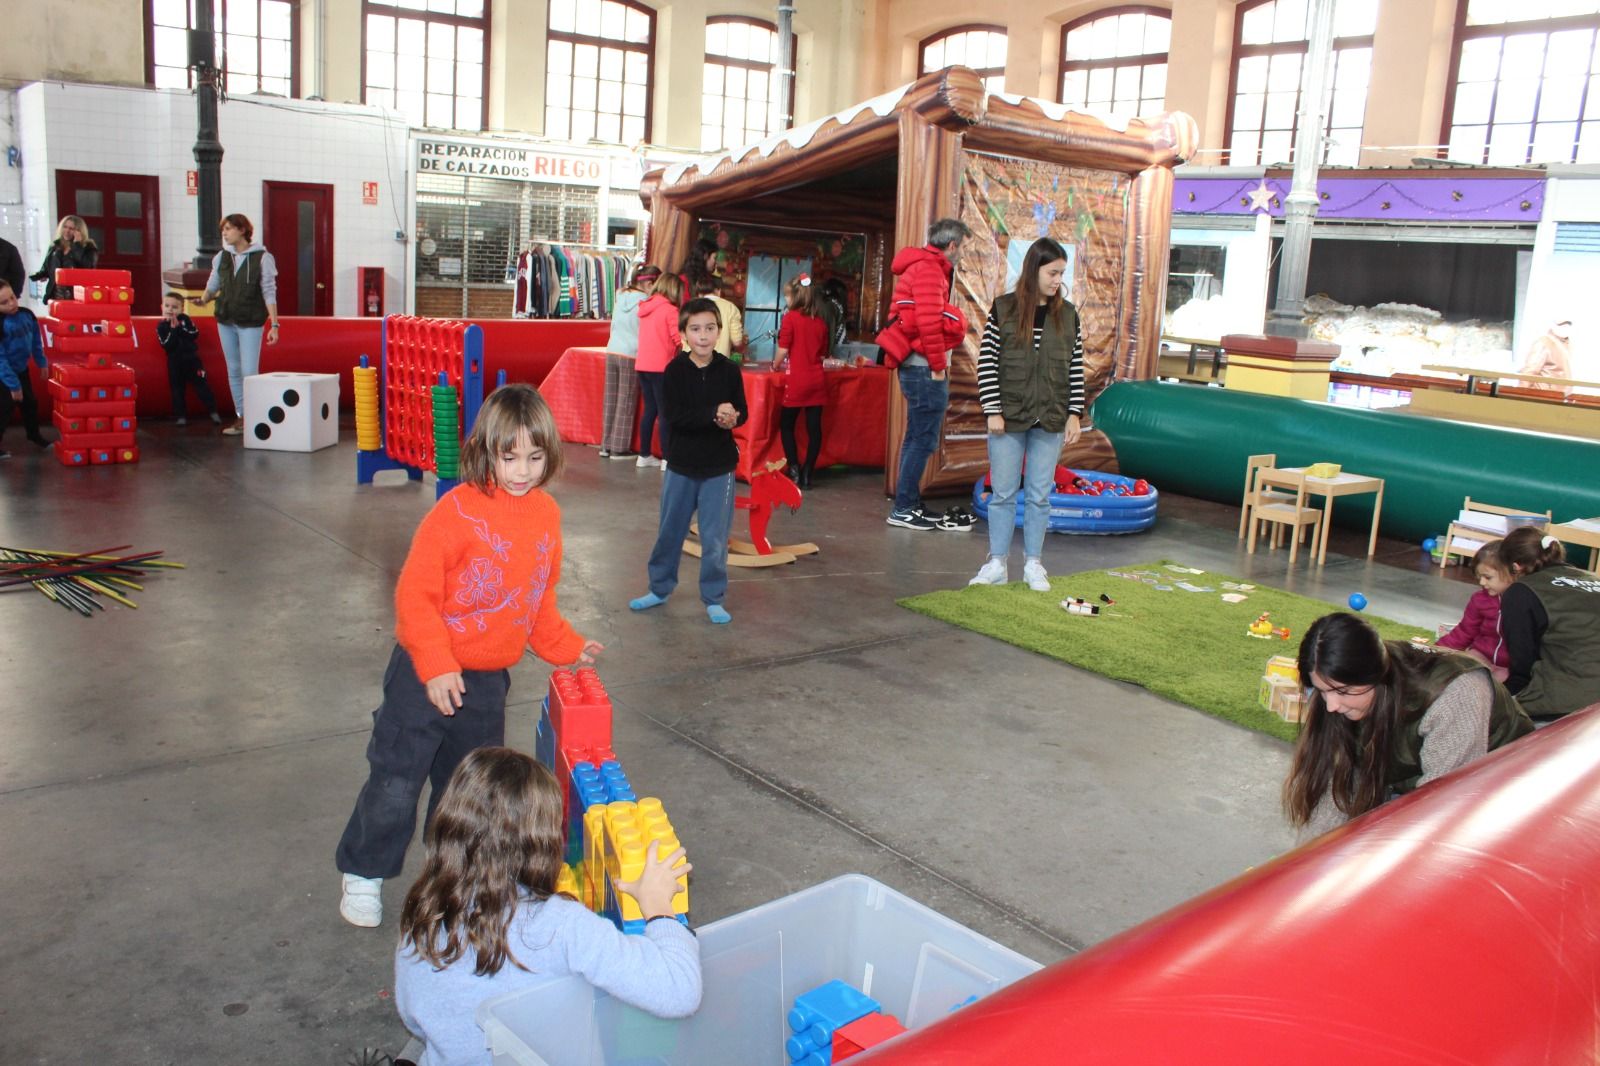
(989, 364)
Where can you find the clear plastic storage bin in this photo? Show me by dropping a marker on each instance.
(914, 961)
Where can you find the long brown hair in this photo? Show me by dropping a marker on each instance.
(1041, 253)
(1334, 754)
(1526, 550)
(803, 295)
(496, 837)
(508, 412)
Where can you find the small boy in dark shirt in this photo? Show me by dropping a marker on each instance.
(705, 402)
(181, 339)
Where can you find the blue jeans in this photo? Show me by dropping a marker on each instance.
(926, 401)
(653, 389)
(681, 498)
(1042, 450)
(241, 348)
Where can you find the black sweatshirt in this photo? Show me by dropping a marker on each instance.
(1523, 621)
(181, 341)
(698, 447)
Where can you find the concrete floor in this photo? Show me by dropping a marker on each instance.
(173, 779)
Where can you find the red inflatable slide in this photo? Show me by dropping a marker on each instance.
(1457, 925)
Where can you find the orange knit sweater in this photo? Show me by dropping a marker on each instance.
(479, 584)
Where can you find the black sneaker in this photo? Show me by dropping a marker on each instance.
(957, 520)
(911, 520)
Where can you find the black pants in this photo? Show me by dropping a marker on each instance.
(179, 374)
(411, 743)
(791, 449)
(30, 408)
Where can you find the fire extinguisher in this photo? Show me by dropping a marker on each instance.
(372, 303)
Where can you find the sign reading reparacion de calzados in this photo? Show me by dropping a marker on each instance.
(488, 159)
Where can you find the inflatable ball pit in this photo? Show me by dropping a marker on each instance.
(1121, 505)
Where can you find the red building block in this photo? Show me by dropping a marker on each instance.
(71, 277)
(580, 710)
(105, 295)
(73, 311)
(863, 1033)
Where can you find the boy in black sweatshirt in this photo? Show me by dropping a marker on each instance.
(180, 338)
(704, 401)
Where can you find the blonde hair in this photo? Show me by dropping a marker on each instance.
(83, 228)
(670, 286)
(509, 412)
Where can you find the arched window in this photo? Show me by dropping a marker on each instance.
(1524, 89)
(1116, 61)
(256, 45)
(427, 64)
(1269, 51)
(983, 48)
(740, 98)
(600, 70)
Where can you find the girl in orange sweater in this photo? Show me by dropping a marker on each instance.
(478, 587)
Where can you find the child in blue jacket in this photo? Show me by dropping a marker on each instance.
(19, 344)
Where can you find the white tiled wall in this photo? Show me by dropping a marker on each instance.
(149, 131)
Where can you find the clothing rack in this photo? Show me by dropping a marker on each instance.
(557, 279)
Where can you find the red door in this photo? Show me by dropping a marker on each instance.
(299, 234)
(123, 213)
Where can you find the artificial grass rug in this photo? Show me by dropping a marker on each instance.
(1193, 647)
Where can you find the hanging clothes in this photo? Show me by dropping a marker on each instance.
(556, 281)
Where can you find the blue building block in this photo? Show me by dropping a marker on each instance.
(817, 1014)
(544, 738)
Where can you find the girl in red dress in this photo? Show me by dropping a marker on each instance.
(802, 344)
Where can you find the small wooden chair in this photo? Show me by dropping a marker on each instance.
(1296, 513)
(1473, 533)
(1254, 496)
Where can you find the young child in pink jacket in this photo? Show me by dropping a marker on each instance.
(1478, 632)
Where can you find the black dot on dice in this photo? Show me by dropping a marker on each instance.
(324, 412)
(263, 431)
(291, 398)
(276, 415)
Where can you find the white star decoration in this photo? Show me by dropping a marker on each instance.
(1261, 197)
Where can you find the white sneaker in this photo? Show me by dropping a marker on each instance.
(994, 572)
(646, 460)
(362, 903)
(1033, 573)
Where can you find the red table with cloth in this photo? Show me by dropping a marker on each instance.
(853, 420)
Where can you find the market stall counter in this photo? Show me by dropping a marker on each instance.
(853, 420)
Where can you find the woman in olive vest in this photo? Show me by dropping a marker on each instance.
(1384, 717)
(1030, 384)
(1550, 620)
(244, 282)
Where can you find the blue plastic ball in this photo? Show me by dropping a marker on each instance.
(1429, 544)
(1358, 602)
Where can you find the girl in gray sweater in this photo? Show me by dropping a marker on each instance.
(484, 919)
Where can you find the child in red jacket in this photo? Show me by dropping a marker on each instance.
(1478, 632)
(658, 345)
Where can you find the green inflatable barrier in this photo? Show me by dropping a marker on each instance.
(1195, 441)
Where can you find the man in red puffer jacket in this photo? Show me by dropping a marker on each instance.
(917, 341)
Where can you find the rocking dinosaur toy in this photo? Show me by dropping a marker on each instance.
(769, 490)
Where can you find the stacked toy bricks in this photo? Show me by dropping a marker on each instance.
(834, 1021)
(93, 394)
(369, 423)
(609, 828)
(446, 430)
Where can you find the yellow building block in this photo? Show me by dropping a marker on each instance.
(567, 882)
(1283, 666)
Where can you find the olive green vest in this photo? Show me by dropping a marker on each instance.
(1566, 676)
(1035, 383)
(239, 299)
(1436, 669)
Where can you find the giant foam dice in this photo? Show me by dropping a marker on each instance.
(291, 412)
